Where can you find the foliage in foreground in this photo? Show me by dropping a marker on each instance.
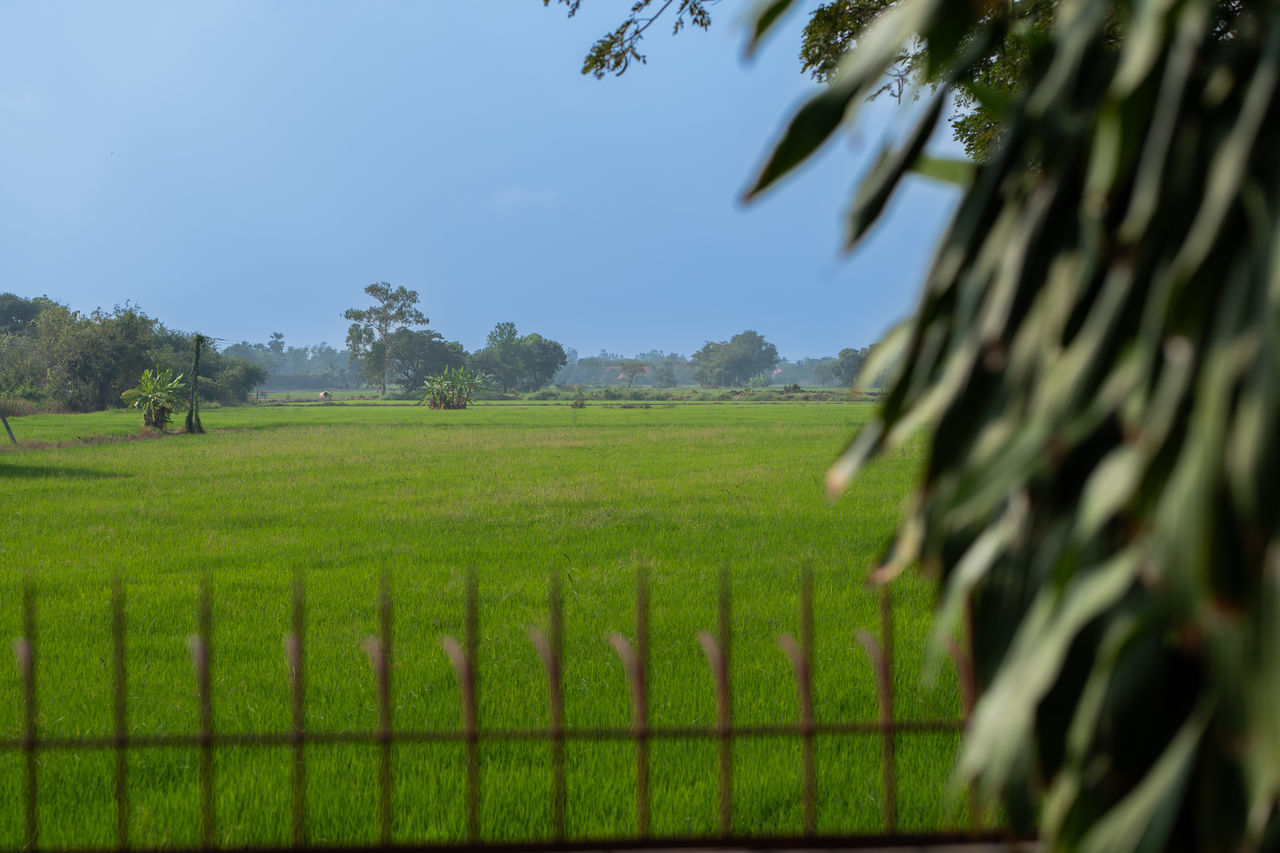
(158, 395)
(1098, 348)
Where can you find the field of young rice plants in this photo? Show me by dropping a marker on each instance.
(343, 495)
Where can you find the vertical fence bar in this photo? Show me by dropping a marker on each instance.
(201, 660)
(717, 652)
(551, 650)
(963, 660)
(635, 661)
(473, 721)
(886, 708)
(464, 665)
(24, 650)
(120, 713)
(881, 662)
(725, 629)
(295, 652)
(380, 654)
(801, 655)
(642, 701)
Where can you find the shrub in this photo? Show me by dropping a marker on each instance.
(454, 388)
(13, 407)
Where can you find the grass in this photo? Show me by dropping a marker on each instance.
(344, 494)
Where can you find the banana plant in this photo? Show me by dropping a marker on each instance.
(454, 388)
(158, 395)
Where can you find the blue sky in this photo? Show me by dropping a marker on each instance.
(240, 168)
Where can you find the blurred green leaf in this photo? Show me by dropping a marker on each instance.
(768, 13)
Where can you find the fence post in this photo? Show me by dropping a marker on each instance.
(550, 650)
(24, 650)
(882, 661)
(295, 653)
(464, 665)
(801, 655)
(636, 662)
(120, 712)
(201, 660)
(379, 651)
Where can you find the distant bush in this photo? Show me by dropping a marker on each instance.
(16, 407)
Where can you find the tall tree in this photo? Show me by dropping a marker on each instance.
(368, 334)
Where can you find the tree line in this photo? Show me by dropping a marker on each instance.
(56, 358)
(719, 364)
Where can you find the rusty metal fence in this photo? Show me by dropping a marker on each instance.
(470, 735)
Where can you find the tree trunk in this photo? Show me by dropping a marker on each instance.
(5, 421)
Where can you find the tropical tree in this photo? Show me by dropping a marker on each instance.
(367, 338)
(158, 393)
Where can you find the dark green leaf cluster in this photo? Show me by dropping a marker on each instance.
(524, 362)
(59, 358)
(735, 361)
(1096, 357)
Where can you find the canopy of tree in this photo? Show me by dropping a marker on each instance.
(56, 357)
(518, 362)
(733, 362)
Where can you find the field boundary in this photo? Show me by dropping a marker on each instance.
(634, 655)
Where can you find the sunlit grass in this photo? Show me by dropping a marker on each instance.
(344, 494)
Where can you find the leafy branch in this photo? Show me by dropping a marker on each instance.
(614, 52)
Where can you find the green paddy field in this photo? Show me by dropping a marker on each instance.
(342, 495)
